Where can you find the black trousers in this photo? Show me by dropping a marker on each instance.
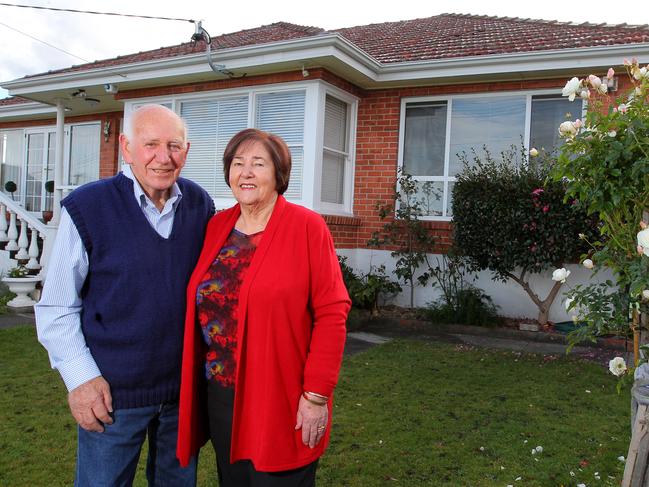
(220, 404)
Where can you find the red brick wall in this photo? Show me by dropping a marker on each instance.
(108, 149)
(377, 145)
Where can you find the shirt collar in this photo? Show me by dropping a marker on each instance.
(174, 196)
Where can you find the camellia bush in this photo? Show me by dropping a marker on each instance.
(510, 219)
(605, 164)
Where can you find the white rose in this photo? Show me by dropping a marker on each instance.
(603, 89)
(617, 366)
(584, 94)
(612, 133)
(643, 241)
(571, 88)
(588, 264)
(639, 73)
(594, 81)
(533, 152)
(610, 73)
(568, 303)
(645, 294)
(560, 275)
(567, 129)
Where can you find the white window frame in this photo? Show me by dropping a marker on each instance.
(346, 208)
(315, 94)
(68, 146)
(528, 94)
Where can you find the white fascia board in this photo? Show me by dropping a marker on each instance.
(336, 46)
(330, 45)
(26, 109)
(557, 60)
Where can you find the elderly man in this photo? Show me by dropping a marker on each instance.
(112, 310)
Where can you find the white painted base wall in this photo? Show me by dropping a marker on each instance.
(511, 299)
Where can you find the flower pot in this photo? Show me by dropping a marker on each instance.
(21, 287)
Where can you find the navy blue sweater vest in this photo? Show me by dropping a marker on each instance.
(133, 307)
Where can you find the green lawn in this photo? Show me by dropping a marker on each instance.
(407, 413)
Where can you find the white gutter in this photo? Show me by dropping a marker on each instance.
(337, 47)
(236, 58)
(555, 60)
(26, 109)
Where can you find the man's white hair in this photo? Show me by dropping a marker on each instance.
(129, 130)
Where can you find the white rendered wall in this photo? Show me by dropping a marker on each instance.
(511, 299)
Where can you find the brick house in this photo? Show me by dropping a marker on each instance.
(354, 104)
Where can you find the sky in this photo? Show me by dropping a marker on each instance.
(94, 37)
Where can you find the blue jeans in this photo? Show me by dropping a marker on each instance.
(109, 459)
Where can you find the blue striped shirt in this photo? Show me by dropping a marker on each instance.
(58, 312)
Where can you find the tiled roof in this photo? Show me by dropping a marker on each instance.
(439, 37)
(13, 100)
(455, 35)
(279, 31)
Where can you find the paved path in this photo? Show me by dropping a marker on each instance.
(10, 319)
(359, 341)
(524, 342)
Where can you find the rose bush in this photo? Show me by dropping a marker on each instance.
(605, 164)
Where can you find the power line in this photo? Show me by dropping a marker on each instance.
(43, 42)
(94, 13)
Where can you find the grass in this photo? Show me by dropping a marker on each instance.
(407, 413)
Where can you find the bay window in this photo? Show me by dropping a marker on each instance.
(314, 118)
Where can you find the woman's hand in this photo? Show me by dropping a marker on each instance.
(312, 418)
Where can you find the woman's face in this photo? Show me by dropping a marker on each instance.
(252, 175)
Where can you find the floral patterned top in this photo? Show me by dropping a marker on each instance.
(217, 300)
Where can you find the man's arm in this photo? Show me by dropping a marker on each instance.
(58, 324)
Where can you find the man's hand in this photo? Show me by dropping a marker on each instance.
(91, 403)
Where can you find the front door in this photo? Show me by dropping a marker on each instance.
(41, 148)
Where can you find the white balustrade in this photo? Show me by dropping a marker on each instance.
(12, 233)
(23, 242)
(33, 251)
(3, 224)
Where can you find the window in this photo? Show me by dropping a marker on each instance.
(547, 114)
(435, 132)
(211, 123)
(314, 118)
(282, 113)
(83, 161)
(335, 154)
(11, 160)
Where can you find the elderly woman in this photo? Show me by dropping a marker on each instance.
(265, 327)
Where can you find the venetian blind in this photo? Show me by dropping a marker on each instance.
(335, 151)
(282, 113)
(211, 124)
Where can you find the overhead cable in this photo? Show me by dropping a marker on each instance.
(94, 12)
(43, 42)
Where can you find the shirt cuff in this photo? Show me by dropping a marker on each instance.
(79, 370)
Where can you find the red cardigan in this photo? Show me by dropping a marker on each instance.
(293, 305)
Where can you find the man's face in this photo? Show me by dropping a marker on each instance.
(157, 151)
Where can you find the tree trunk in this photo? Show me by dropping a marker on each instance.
(542, 305)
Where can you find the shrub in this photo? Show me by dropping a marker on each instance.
(366, 290)
(461, 302)
(404, 231)
(510, 219)
(470, 306)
